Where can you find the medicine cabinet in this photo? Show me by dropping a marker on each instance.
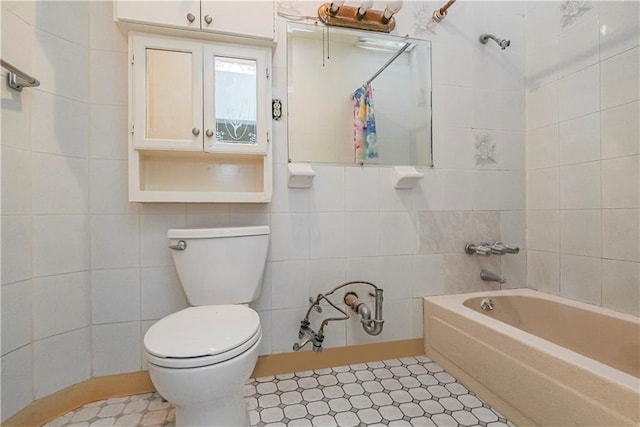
(200, 123)
(325, 67)
(236, 18)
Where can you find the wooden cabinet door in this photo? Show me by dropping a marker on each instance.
(179, 14)
(167, 93)
(239, 17)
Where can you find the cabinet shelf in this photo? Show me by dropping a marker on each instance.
(170, 176)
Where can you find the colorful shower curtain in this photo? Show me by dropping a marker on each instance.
(364, 125)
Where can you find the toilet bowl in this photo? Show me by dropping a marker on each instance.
(200, 358)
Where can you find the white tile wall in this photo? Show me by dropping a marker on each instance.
(55, 367)
(17, 376)
(351, 225)
(595, 138)
(16, 316)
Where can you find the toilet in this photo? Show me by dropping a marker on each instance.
(200, 358)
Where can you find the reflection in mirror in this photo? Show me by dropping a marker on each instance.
(327, 67)
(236, 100)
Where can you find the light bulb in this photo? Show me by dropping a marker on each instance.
(362, 10)
(335, 6)
(391, 9)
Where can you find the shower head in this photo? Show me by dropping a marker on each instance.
(501, 42)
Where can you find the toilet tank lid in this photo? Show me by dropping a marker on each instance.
(207, 233)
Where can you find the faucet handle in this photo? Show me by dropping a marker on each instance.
(511, 249)
(483, 249)
(498, 248)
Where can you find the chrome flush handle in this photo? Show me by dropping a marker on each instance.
(180, 246)
(191, 17)
(208, 19)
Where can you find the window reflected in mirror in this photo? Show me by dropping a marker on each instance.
(335, 116)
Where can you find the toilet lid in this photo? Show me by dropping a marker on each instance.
(202, 331)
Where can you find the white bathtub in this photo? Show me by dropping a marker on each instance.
(538, 358)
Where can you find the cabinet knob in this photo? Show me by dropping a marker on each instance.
(209, 133)
(195, 131)
(191, 17)
(208, 19)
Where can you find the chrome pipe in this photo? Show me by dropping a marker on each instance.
(489, 276)
(25, 80)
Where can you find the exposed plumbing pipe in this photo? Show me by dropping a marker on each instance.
(439, 14)
(371, 326)
(503, 43)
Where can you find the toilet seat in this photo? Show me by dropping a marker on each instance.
(202, 336)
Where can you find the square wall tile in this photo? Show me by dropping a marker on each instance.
(620, 82)
(513, 193)
(513, 228)
(115, 295)
(621, 234)
(109, 77)
(620, 130)
(429, 194)
(327, 194)
(60, 244)
(104, 33)
(427, 275)
(60, 15)
(60, 184)
(290, 284)
(109, 130)
(52, 55)
(620, 290)
(326, 235)
(364, 268)
(621, 182)
(16, 181)
(543, 189)
(16, 53)
(55, 367)
(390, 198)
(580, 139)
(154, 244)
(263, 303)
(326, 274)
(110, 187)
(287, 323)
(287, 199)
(60, 304)
(363, 234)
(620, 27)
(485, 226)
(16, 248)
(116, 348)
(543, 230)
(16, 118)
(16, 316)
(397, 277)
(60, 125)
(17, 377)
(361, 192)
(458, 195)
(444, 232)
(115, 241)
(160, 292)
(543, 147)
(453, 148)
(581, 278)
(289, 236)
(580, 186)
(581, 232)
(485, 196)
(542, 105)
(578, 93)
(578, 46)
(543, 271)
(398, 233)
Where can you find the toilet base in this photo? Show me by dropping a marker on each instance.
(208, 395)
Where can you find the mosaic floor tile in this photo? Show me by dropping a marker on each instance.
(412, 391)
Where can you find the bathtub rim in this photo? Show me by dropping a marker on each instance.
(454, 302)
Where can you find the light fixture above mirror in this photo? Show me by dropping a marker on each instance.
(361, 17)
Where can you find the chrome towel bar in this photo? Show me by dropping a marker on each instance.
(17, 79)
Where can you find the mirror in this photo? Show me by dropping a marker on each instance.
(326, 65)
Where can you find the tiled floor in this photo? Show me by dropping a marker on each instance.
(397, 392)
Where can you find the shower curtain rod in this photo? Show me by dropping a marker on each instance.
(393, 58)
(15, 74)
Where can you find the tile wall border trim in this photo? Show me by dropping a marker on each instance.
(43, 410)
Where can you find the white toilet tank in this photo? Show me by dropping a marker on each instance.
(220, 265)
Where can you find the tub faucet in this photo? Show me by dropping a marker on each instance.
(489, 276)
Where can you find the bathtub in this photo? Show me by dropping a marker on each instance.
(539, 359)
